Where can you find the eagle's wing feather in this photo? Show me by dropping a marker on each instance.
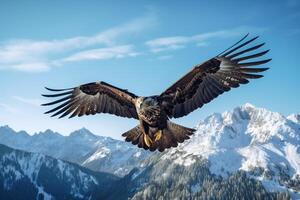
(92, 98)
(215, 76)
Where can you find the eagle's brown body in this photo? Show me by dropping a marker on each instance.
(155, 124)
(203, 83)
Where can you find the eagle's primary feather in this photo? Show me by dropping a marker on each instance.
(92, 98)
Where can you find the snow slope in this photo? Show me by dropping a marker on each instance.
(44, 176)
(262, 143)
(82, 147)
(266, 144)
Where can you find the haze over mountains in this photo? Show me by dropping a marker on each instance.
(82, 147)
(248, 151)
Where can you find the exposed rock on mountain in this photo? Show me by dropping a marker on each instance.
(25, 175)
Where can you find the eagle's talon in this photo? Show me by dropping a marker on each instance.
(148, 141)
(157, 135)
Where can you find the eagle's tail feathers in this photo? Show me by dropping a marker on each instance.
(163, 139)
(136, 137)
(172, 135)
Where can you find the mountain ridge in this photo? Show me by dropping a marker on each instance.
(259, 147)
(81, 147)
(36, 176)
(264, 144)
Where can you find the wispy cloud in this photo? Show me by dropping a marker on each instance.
(168, 43)
(29, 101)
(8, 108)
(165, 57)
(202, 44)
(34, 66)
(37, 56)
(178, 42)
(102, 53)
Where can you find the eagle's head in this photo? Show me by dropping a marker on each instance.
(138, 103)
(144, 102)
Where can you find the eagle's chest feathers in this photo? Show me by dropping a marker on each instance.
(149, 110)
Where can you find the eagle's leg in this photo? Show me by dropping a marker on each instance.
(145, 128)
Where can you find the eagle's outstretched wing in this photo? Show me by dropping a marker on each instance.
(208, 80)
(92, 98)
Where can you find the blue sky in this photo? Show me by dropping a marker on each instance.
(144, 47)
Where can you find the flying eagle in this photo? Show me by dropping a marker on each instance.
(202, 84)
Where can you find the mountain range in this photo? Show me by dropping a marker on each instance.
(245, 153)
(25, 175)
(81, 147)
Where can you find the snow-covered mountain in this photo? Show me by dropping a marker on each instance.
(246, 138)
(25, 175)
(263, 144)
(82, 147)
(249, 153)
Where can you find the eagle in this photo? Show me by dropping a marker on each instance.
(155, 131)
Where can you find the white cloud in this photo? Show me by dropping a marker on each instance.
(102, 53)
(167, 43)
(177, 42)
(31, 67)
(202, 44)
(8, 108)
(37, 56)
(165, 57)
(30, 101)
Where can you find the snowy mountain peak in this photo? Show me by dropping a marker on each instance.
(48, 134)
(294, 118)
(248, 106)
(8, 135)
(6, 129)
(259, 113)
(81, 146)
(83, 133)
(249, 139)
